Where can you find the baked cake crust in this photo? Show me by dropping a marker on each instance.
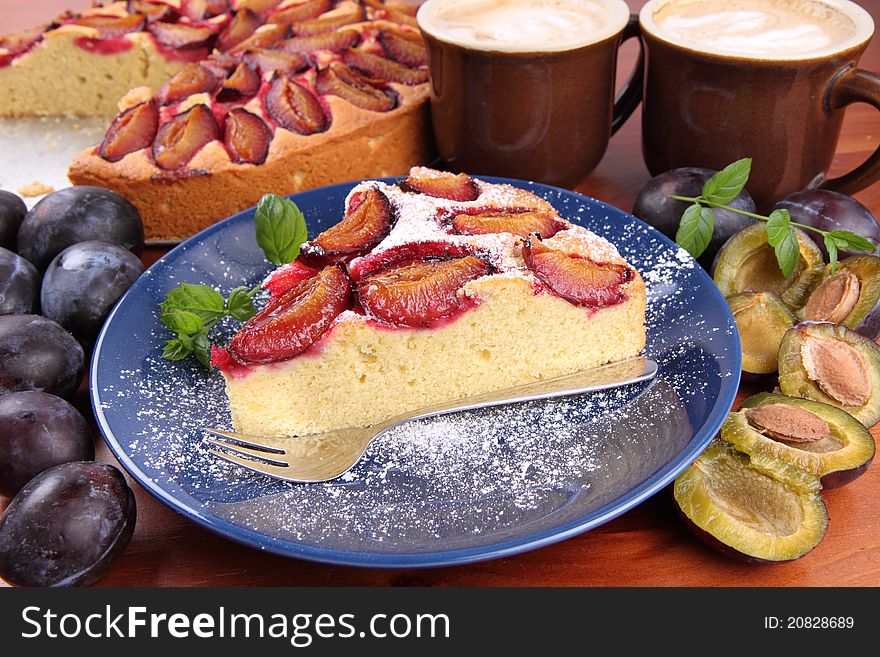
(359, 144)
(514, 330)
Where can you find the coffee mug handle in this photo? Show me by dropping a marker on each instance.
(855, 85)
(629, 97)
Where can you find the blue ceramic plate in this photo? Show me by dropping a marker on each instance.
(464, 488)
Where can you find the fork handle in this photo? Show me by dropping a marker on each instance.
(613, 375)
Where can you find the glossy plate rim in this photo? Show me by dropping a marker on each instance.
(509, 547)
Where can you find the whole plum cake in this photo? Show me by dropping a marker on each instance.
(438, 287)
(223, 101)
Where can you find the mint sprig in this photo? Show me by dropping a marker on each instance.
(281, 228)
(698, 221)
(189, 311)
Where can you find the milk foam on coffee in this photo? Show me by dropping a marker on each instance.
(522, 25)
(755, 27)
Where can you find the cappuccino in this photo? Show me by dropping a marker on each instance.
(523, 25)
(755, 28)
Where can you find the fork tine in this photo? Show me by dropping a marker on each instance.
(276, 471)
(248, 452)
(240, 440)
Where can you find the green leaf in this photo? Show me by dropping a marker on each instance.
(175, 349)
(182, 322)
(850, 240)
(787, 252)
(725, 185)
(240, 305)
(281, 228)
(201, 300)
(695, 229)
(202, 349)
(831, 246)
(777, 227)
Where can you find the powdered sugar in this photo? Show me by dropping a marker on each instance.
(466, 481)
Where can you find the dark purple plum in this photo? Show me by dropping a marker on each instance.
(78, 214)
(39, 431)
(38, 354)
(654, 207)
(19, 285)
(83, 283)
(67, 526)
(12, 211)
(827, 210)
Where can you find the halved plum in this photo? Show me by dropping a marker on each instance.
(379, 67)
(819, 438)
(152, 11)
(367, 221)
(340, 80)
(293, 322)
(762, 320)
(266, 36)
(247, 137)
(268, 61)
(850, 296)
(179, 36)
(301, 12)
(442, 184)
(191, 79)
(334, 41)
(327, 23)
(112, 27)
(244, 82)
(186, 134)
(198, 10)
(748, 262)
(259, 6)
(243, 24)
(404, 47)
(131, 131)
(751, 507)
(294, 107)
(577, 280)
(834, 365)
(400, 12)
(522, 222)
(420, 292)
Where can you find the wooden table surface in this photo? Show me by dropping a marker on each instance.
(648, 546)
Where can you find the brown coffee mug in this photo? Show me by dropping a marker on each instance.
(705, 107)
(535, 114)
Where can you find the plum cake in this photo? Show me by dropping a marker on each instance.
(223, 101)
(436, 288)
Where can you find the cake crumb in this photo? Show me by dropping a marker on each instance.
(36, 188)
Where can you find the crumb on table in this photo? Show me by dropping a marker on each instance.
(35, 189)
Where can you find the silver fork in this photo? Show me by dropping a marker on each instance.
(325, 456)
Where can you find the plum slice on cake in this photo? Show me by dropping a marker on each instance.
(421, 311)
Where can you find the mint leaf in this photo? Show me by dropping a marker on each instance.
(846, 239)
(787, 252)
(281, 228)
(777, 227)
(695, 229)
(182, 322)
(202, 300)
(725, 185)
(240, 305)
(202, 348)
(175, 349)
(831, 246)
